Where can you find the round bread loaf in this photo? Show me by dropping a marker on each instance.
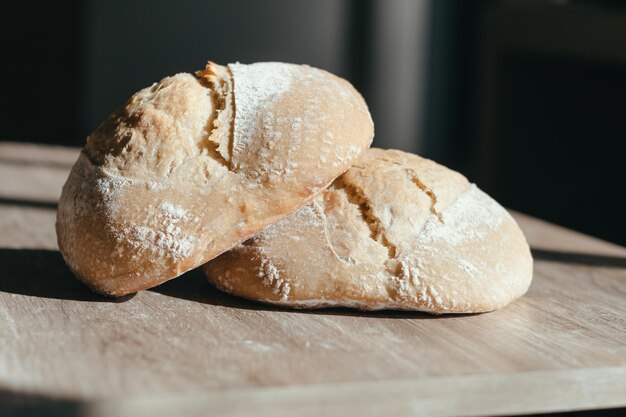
(195, 164)
(396, 231)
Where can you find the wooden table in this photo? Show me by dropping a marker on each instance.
(184, 348)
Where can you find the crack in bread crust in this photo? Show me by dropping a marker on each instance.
(218, 80)
(231, 132)
(426, 190)
(357, 197)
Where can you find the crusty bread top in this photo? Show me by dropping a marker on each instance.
(395, 231)
(193, 165)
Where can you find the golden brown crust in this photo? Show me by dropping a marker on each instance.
(191, 166)
(395, 231)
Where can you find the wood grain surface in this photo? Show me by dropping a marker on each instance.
(185, 348)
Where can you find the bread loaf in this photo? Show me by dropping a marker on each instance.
(396, 231)
(195, 164)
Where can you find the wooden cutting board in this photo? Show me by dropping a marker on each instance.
(185, 348)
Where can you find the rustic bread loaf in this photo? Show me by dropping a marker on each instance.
(193, 165)
(396, 231)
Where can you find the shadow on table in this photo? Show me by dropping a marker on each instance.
(43, 273)
(14, 404)
(194, 286)
(50, 205)
(579, 258)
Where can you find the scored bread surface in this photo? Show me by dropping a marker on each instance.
(193, 165)
(395, 231)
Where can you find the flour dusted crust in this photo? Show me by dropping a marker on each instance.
(195, 164)
(396, 231)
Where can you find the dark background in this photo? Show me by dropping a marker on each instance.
(526, 98)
